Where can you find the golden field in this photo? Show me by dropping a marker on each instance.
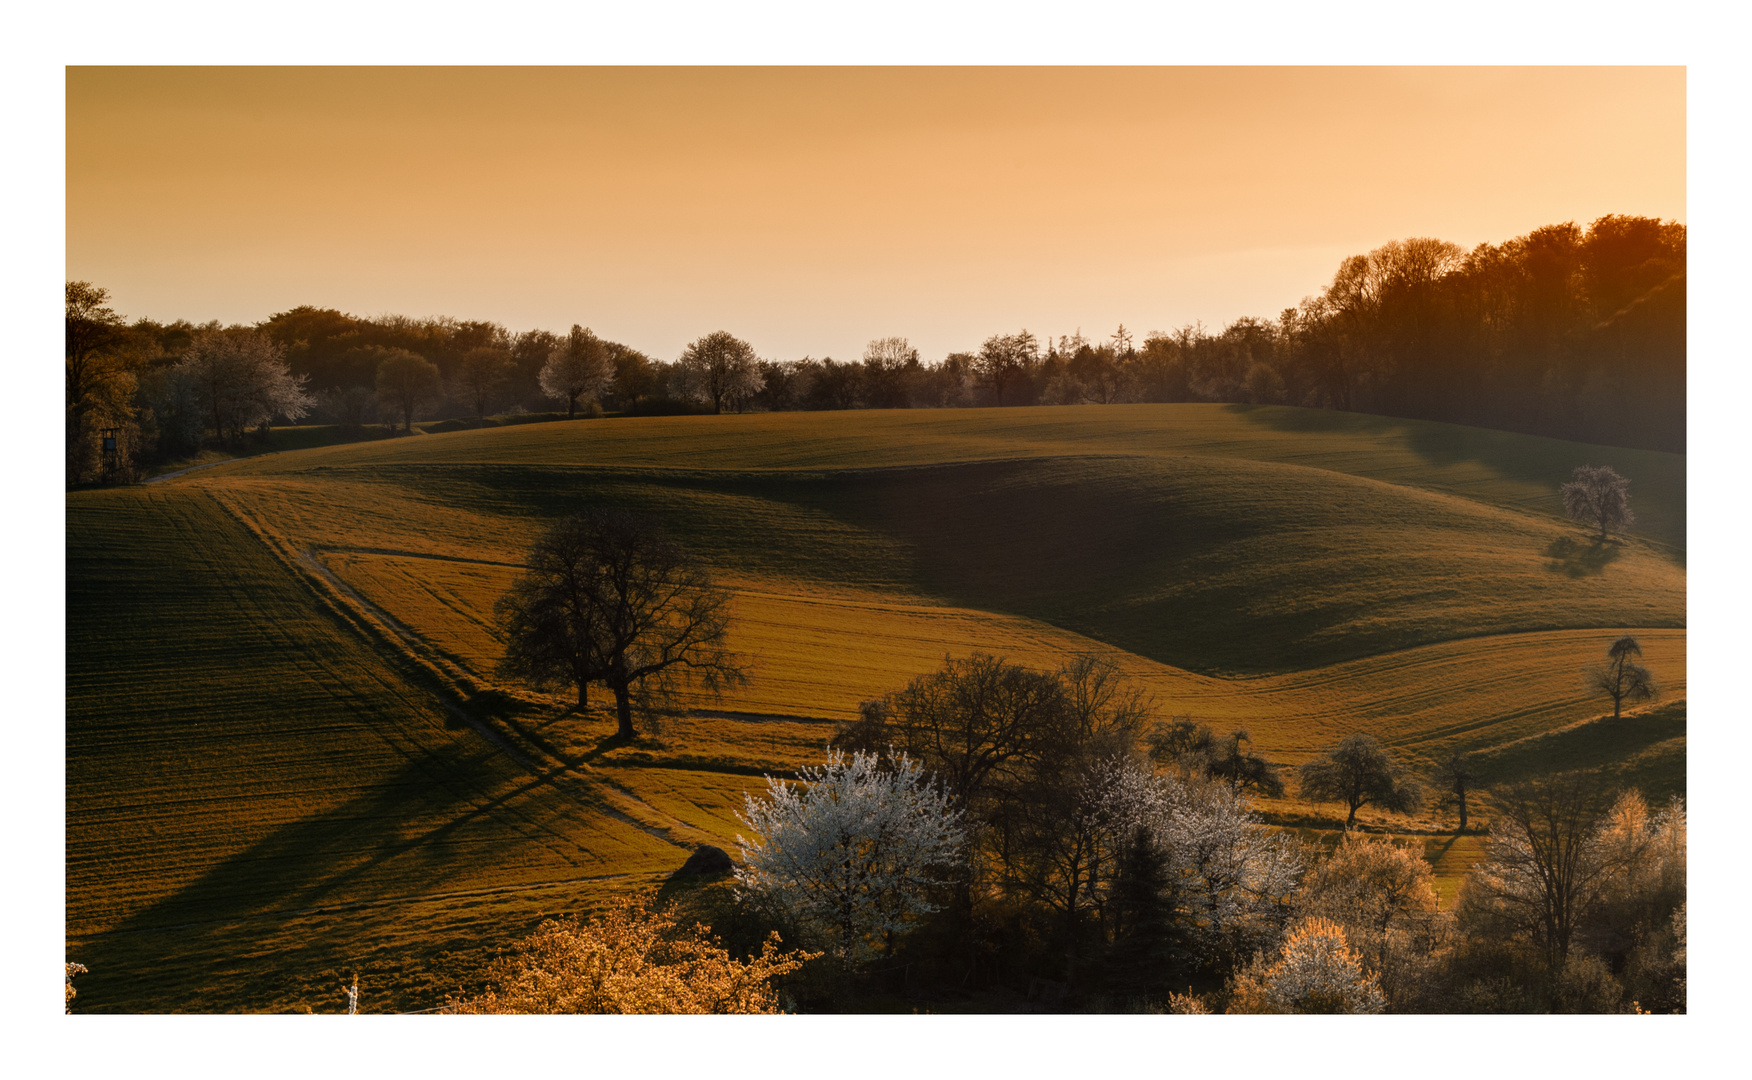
(287, 751)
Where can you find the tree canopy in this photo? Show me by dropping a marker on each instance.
(1358, 773)
(1621, 678)
(608, 597)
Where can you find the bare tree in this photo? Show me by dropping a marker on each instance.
(479, 375)
(581, 368)
(1546, 862)
(1599, 497)
(407, 383)
(979, 724)
(1621, 678)
(722, 370)
(1358, 773)
(607, 597)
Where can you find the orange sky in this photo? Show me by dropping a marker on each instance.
(808, 210)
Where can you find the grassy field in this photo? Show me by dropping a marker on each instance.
(288, 754)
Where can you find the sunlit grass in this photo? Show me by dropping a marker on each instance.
(262, 778)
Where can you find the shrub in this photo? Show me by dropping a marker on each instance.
(630, 959)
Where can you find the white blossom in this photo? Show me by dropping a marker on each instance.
(852, 849)
(1232, 875)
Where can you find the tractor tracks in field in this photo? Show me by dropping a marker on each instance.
(450, 685)
(369, 905)
(561, 772)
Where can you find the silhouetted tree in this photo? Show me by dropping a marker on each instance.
(1148, 947)
(1005, 360)
(1457, 781)
(1358, 773)
(1242, 767)
(1195, 749)
(607, 597)
(479, 375)
(888, 364)
(407, 383)
(1621, 678)
(1545, 864)
(93, 331)
(1599, 497)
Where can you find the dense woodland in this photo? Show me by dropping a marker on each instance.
(1567, 332)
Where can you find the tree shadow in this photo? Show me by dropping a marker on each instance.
(244, 933)
(1571, 557)
(612, 741)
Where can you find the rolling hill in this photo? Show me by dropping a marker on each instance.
(287, 752)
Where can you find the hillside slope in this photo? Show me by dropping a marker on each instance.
(287, 753)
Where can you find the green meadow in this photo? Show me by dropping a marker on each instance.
(289, 757)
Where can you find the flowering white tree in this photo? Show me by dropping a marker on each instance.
(852, 849)
(721, 370)
(579, 369)
(241, 379)
(1231, 876)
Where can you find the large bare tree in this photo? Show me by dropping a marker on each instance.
(1546, 862)
(608, 598)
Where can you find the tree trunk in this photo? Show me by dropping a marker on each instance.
(571, 406)
(583, 696)
(1462, 794)
(623, 710)
(1350, 822)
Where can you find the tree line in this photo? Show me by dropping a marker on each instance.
(1568, 332)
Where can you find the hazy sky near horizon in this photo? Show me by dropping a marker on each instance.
(809, 210)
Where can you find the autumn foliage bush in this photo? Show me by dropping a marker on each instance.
(632, 958)
(1316, 971)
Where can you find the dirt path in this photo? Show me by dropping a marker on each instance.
(173, 475)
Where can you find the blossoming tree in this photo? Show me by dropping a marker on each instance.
(852, 850)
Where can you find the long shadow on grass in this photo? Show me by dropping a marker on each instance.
(1572, 558)
(448, 821)
(1644, 749)
(1220, 565)
(1657, 479)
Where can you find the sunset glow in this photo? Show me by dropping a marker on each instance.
(810, 210)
